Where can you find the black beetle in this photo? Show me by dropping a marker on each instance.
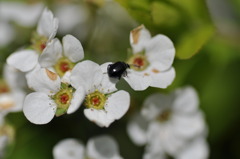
(117, 70)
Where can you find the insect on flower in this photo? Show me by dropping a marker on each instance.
(117, 70)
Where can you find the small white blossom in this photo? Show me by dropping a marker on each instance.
(51, 97)
(101, 147)
(151, 61)
(62, 56)
(103, 102)
(27, 59)
(168, 122)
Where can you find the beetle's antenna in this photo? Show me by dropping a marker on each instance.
(134, 65)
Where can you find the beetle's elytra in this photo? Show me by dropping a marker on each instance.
(117, 70)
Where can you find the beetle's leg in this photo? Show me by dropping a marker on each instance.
(125, 74)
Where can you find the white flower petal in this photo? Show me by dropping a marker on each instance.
(160, 49)
(118, 104)
(155, 104)
(163, 136)
(154, 151)
(24, 60)
(186, 100)
(14, 78)
(137, 130)
(66, 78)
(197, 149)
(137, 81)
(51, 53)
(188, 126)
(99, 117)
(160, 79)
(69, 149)
(43, 80)
(39, 108)
(108, 84)
(138, 38)
(72, 48)
(108, 150)
(86, 74)
(47, 25)
(77, 99)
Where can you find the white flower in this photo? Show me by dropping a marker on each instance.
(62, 58)
(51, 97)
(46, 31)
(171, 121)
(101, 147)
(11, 90)
(103, 102)
(69, 149)
(151, 61)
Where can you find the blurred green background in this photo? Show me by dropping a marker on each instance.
(206, 35)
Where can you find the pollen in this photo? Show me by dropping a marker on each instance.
(63, 99)
(63, 65)
(95, 100)
(138, 62)
(38, 42)
(42, 46)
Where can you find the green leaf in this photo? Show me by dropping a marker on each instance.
(191, 42)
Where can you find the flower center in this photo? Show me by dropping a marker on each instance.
(4, 88)
(63, 99)
(38, 42)
(95, 100)
(138, 62)
(164, 116)
(63, 65)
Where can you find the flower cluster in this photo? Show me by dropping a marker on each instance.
(171, 125)
(59, 80)
(61, 83)
(95, 149)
